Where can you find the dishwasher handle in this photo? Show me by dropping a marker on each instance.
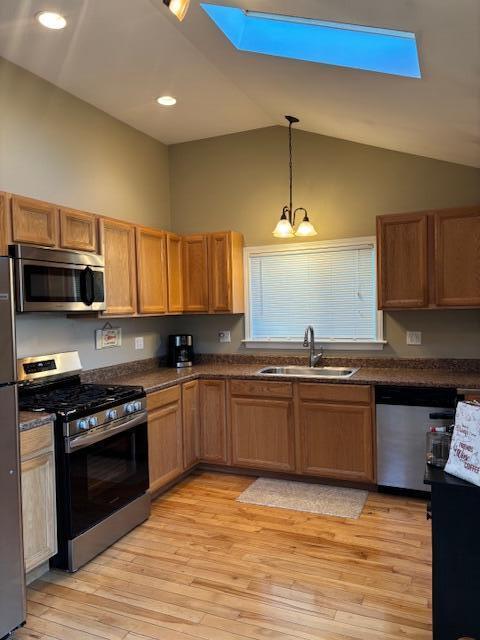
(442, 415)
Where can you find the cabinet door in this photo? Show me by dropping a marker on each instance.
(195, 273)
(165, 450)
(457, 258)
(336, 441)
(34, 222)
(191, 423)
(39, 510)
(175, 273)
(263, 433)
(225, 262)
(152, 271)
(78, 230)
(3, 224)
(214, 445)
(402, 261)
(118, 241)
(220, 271)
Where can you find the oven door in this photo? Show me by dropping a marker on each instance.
(56, 286)
(104, 472)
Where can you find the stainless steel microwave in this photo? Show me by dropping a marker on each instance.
(56, 280)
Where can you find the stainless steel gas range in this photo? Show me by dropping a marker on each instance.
(101, 454)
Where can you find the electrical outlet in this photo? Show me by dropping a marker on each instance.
(224, 336)
(414, 337)
(139, 343)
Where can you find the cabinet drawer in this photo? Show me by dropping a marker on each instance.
(162, 398)
(335, 392)
(35, 440)
(254, 388)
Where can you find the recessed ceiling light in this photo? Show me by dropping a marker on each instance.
(167, 101)
(51, 20)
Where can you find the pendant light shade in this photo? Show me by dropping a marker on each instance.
(286, 225)
(284, 228)
(305, 228)
(179, 8)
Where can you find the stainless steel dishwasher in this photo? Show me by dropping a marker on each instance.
(403, 419)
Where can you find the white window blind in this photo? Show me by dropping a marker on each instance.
(332, 288)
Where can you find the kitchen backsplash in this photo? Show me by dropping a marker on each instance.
(51, 333)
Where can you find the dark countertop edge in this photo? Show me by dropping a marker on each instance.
(437, 476)
(403, 377)
(355, 379)
(30, 420)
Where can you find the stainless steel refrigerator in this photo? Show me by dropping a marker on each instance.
(12, 575)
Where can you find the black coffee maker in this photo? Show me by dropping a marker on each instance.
(180, 351)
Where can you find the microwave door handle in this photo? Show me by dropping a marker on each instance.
(88, 439)
(87, 287)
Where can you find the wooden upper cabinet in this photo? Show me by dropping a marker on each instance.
(174, 273)
(118, 245)
(195, 273)
(34, 222)
(225, 260)
(402, 248)
(3, 224)
(78, 230)
(457, 258)
(152, 271)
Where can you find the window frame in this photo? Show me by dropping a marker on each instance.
(292, 343)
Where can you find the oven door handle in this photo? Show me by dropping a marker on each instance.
(87, 439)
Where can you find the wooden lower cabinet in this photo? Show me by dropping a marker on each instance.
(336, 441)
(263, 435)
(38, 496)
(214, 440)
(191, 423)
(165, 438)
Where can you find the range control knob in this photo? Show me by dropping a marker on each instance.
(82, 425)
(130, 407)
(137, 405)
(112, 414)
(93, 422)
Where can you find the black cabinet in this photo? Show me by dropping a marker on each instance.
(455, 511)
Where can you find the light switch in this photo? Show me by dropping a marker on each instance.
(139, 343)
(224, 336)
(414, 337)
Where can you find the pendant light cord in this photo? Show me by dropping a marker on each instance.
(290, 150)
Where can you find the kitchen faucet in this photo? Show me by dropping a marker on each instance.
(309, 341)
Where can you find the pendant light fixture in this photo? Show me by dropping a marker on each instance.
(286, 225)
(179, 8)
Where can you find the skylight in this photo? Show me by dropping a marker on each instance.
(333, 43)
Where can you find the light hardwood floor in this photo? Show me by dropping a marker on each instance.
(207, 567)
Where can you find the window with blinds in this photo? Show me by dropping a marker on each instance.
(332, 287)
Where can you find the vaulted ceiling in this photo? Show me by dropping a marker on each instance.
(119, 55)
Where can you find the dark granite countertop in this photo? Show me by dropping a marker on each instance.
(32, 419)
(152, 377)
(162, 377)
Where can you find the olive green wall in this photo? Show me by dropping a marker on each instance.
(56, 147)
(240, 182)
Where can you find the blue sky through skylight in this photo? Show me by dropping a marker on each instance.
(344, 45)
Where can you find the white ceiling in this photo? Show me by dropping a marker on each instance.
(119, 55)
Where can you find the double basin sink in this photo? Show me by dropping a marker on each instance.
(309, 372)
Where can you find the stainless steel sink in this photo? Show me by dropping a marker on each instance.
(309, 372)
